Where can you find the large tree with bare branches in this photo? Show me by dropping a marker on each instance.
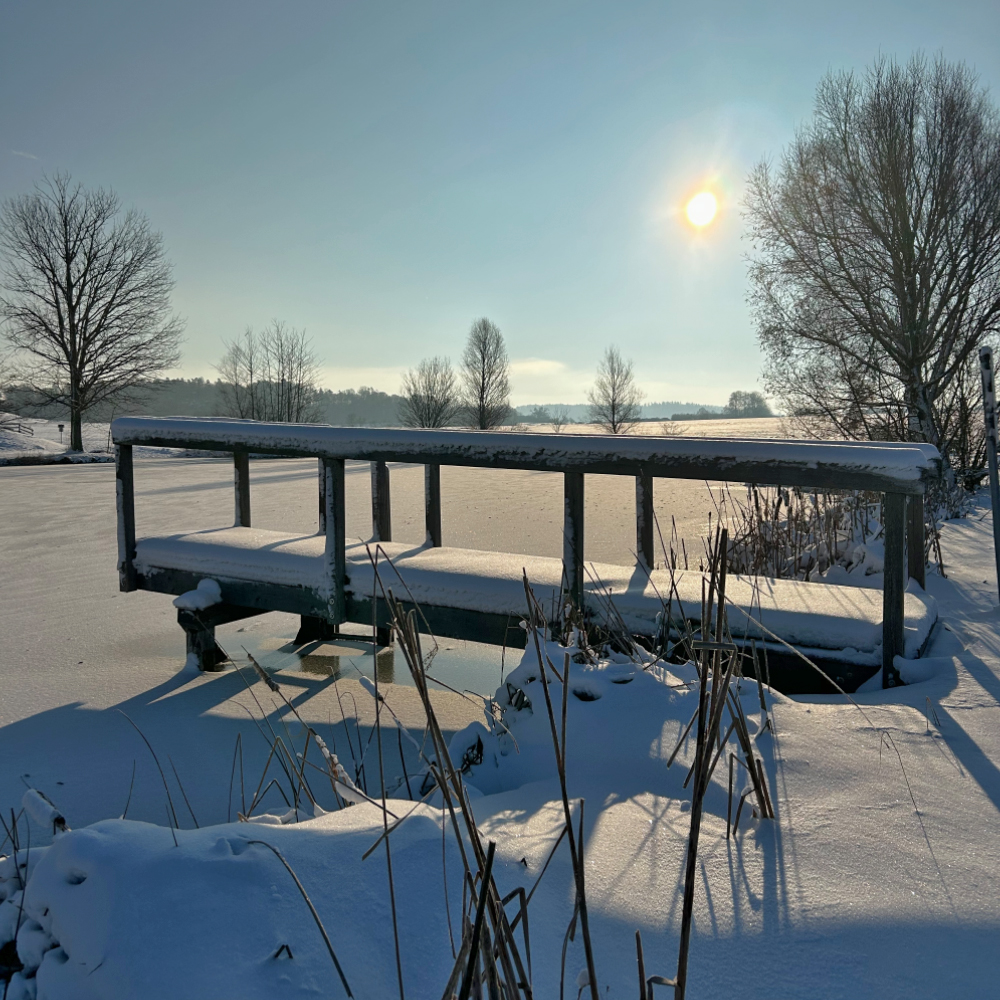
(85, 299)
(876, 270)
(486, 376)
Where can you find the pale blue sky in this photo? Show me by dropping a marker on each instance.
(383, 173)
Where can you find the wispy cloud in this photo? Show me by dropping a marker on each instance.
(27, 156)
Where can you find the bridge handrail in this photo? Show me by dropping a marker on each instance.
(891, 467)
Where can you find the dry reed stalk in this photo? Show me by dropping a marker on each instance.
(385, 830)
(575, 850)
(450, 783)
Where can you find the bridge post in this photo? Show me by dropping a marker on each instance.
(125, 497)
(915, 540)
(321, 476)
(644, 519)
(241, 485)
(335, 554)
(432, 504)
(381, 510)
(894, 585)
(573, 537)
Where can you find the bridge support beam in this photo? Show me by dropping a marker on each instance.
(125, 497)
(432, 504)
(381, 508)
(915, 540)
(335, 554)
(573, 537)
(241, 486)
(894, 585)
(644, 548)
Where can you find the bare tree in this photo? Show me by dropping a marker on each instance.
(430, 395)
(615, 399)
(746, 404)
(270, 375)
(560, 418)
(86, 297)
(876, 271)
(486, 376)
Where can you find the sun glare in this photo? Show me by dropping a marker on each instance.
(701, 209)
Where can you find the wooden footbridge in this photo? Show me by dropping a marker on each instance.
(477, 595)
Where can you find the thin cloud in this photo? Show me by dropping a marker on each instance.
(27, 156)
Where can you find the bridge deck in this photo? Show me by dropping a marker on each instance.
(846, 621)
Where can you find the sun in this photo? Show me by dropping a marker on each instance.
(701, 209)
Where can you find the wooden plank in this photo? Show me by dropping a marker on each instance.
(573, 537)
(894, 585)
(381, 507)
(432, 504)
(644, 520)
(125, 502)
(915, 540)
(241, 486)
(322, 497)
(335, 556)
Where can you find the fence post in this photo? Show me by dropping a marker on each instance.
(573, 537)
(915, 539)
(241, 485)
(990, 415)
(335, 554)
(432, 504)
(125, 501)
(381, 509)
(644, 519)
(894, 585)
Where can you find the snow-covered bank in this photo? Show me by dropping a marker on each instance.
(851, 892)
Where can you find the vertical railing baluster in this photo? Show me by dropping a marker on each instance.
(321, 476)
(573, 537)
(915, 539)
(432, 504)
(241, 487)
(125, 502)
(381, 508)
(335, 553)
(644, 519)
(894, 585)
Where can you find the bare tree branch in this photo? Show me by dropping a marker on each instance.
(486, 376)
(876, 271)
(86, 297)
(430, 395)
(271, 375)
(615, 399)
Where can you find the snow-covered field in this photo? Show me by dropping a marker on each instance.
(879, 877)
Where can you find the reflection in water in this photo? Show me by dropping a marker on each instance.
(344, 658)
(464, 666)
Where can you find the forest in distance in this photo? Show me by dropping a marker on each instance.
(363, 407)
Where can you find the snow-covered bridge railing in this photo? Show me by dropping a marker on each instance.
(467, 594)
